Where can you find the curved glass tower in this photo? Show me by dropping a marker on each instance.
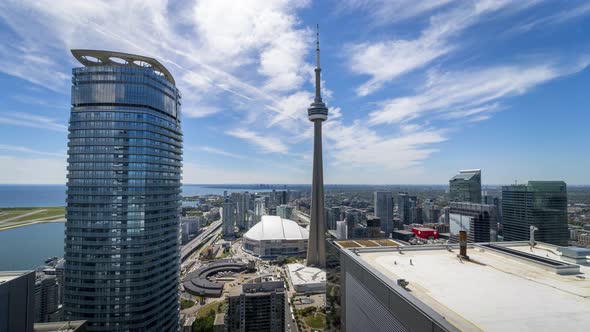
(124, 176)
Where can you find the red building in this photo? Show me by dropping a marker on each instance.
(425, 233)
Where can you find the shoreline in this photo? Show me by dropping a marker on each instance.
(29, 223)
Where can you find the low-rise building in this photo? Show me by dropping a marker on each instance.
(307, 279)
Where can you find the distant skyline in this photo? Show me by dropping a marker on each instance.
(416, 92)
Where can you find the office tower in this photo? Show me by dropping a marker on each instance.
(125, 158)
(384, 210)
(466, 186)
(353, 218)
(507, 286)
(480, 221)
(317, 113)
(227, 219)
(333, 215)
(256, 307)
(341, 230)
(259, 209)
(405, 203)
(284, 211)
(542, 204)
(416, 215)
(46, 298)
(17, 300)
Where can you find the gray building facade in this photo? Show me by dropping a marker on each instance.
(466, 186)
(17, 298)
(256, 307)
(122, 245)
(383, 202)
(480, 221)
(542, 204)
(357, 299)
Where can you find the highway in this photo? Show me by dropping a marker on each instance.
(300, 216)
(193, 245)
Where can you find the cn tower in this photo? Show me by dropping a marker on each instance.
(317, 113)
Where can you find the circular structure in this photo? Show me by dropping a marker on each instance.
(197, 282)
(274, 236)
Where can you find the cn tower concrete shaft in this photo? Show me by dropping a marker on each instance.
(316, 252)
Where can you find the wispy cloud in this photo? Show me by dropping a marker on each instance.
(557, 18)
(26, 150)
(216, 151)
(31, 120)
(469, 92)
(357, 145)
(17, 170)
(384, 61)
(266, 144)
(388, 12)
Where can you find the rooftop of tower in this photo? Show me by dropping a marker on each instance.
(507, 286)
(90, 58)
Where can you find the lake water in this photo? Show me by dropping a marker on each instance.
(25, 248)
(55, 195)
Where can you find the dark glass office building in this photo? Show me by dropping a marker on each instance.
(124, 177)
(542, 204)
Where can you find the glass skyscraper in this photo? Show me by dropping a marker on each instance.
(542, 204)
(466, 186)
(124, 178)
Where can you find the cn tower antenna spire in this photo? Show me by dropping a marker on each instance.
(318, 94)
(317, 113)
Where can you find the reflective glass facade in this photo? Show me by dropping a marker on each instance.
(124, 176)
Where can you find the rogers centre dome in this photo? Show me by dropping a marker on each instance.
(274, 236)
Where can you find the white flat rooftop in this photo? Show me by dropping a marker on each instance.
(303, 275)
(493, 291)
(10, 275)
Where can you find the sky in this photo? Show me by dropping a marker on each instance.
(416, 90)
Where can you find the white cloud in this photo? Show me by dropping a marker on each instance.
(203, 174)
(267, 144)
(219, 152)
(31, 120)
(388, 11)
(356, 145)
(557, 18)
(196, 111)
(26, 150)
(387, 60)
(469, 92)
(14, 170)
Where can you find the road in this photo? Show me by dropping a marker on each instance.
(190, 247)
(301, 217)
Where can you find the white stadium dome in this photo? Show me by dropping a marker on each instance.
(274, 236)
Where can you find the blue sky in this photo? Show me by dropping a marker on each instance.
(416, 89)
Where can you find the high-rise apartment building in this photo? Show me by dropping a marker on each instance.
(46, 298)
(383, 202)
(227, 219)
(466, 186)
(542, 204)
(125, 158)
(256, 307)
